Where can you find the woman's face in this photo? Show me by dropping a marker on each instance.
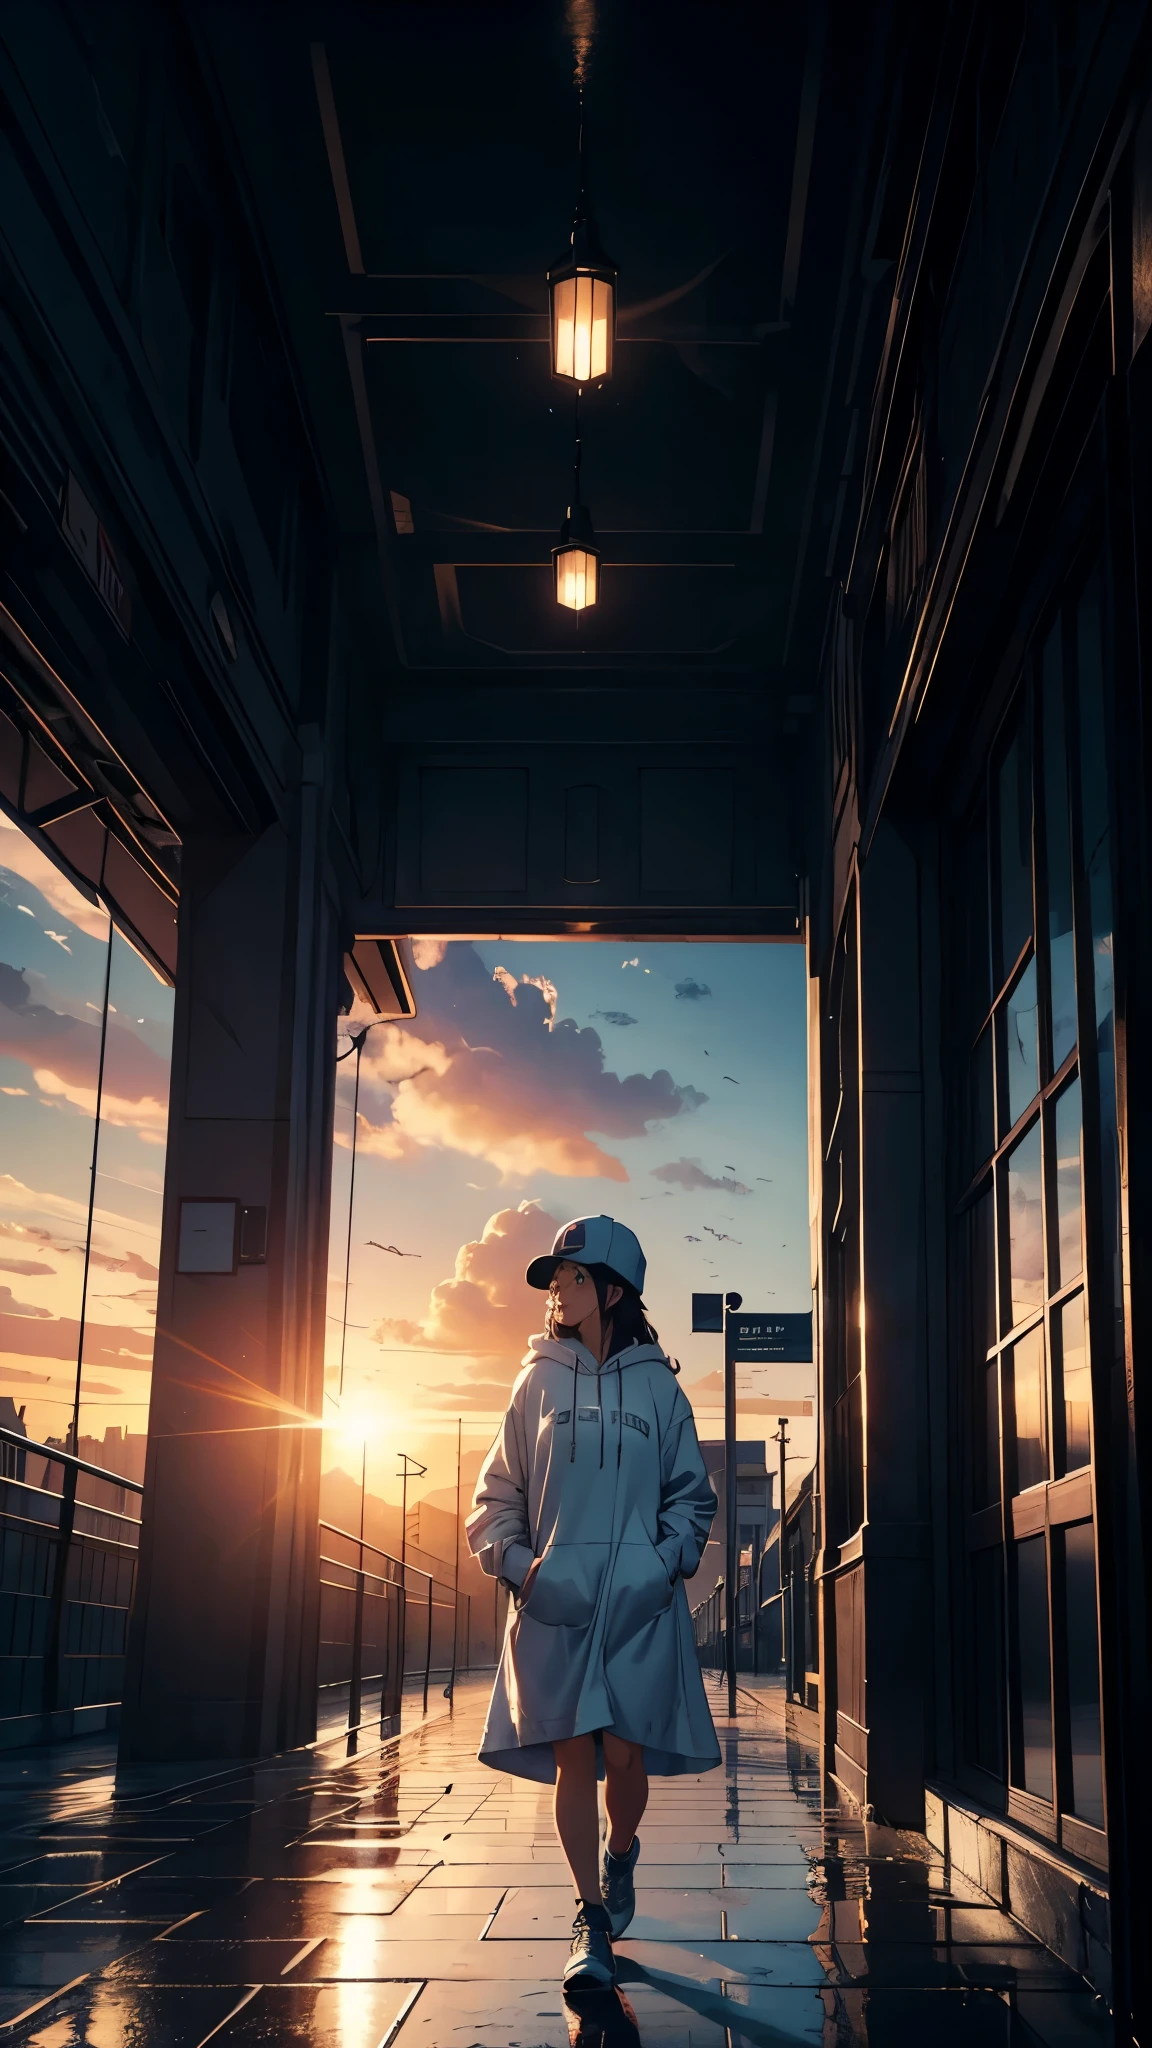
(575, 1309)
(572, 1297)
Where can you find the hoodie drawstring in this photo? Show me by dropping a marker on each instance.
(618, 1369)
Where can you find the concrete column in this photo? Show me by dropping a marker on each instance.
(894, 1541)
(223, 1641)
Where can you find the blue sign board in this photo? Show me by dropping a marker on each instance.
(767, 1339)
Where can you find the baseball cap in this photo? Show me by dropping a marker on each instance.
(593, 1241)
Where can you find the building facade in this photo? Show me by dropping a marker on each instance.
(980, 946)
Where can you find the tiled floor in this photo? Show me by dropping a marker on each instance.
(356, 1901)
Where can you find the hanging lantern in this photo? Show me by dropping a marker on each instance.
(576, 561)
(582, 296)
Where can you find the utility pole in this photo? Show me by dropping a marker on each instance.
(417, 1470)
(785, 1612)
(731, 1545)
(450, 1689)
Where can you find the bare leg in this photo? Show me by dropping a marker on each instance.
(625, 1791)
(576, 1812)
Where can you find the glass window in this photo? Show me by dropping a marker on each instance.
(1083, 1673)
(987, 1589)
(1069, 1235)
(1058, 860)
(987, 1474)
(1021, 1063)
(1075, 1384)
(78, 1295)
(1025, 1229)
(1033, 1767)
(1014, 852)
(1029, 1409)
(986, 1421)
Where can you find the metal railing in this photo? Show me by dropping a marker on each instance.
(69, 1544)
(368, 1612)
(67, 1574)
(708, 1628)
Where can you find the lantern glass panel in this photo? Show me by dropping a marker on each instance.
(576, 578)
(582, 327)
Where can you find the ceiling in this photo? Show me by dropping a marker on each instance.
(413, 170)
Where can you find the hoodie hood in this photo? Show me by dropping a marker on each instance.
(571, 1355)
(569, 1351)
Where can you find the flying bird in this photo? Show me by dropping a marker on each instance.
(727, 1168)
(394, 1249)
(722, 1236)
(732, 1078)
(765, 1177)
(689, 1239)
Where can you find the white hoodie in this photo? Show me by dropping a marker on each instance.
(597, 1472)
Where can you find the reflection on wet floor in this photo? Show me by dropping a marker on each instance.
(407, 1895)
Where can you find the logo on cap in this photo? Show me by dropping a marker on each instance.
(570, 1240)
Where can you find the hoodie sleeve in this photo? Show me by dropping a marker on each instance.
(687, 1502)
(498, 1533)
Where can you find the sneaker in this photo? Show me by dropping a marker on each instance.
(617, 1886)
(591, 1963)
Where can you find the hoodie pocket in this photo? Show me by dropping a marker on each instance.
(566, 1590)
(641, 1590)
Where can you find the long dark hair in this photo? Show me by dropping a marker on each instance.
(626, 1320)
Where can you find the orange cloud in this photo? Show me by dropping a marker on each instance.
(489, 1070)
(64, 1053)
(486, 1311)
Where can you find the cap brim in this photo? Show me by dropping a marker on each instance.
(540, 1272)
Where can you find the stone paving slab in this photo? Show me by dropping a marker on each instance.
(389, 1897)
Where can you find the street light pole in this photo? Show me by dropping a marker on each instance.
(785, 1607)
(731, 1546)
(418, 1470)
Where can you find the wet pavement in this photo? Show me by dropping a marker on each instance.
(410, 1896)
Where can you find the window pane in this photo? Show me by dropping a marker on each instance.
(1083, 1673)
(1058, 858)
(1025, 1231)
(1034, 1675)
(1019, 1043)
(987, 1437)
(987, 1639)
(1069, 1198)
(1075, 1384)
(1014, 849)
(1095, 800)
(1030, 1409)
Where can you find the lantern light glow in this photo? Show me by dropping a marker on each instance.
(583, 323)
(576, 577)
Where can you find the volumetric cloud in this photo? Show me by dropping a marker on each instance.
(485, 1312)
(64, 1054)
(488, 1069)
(686, 1173)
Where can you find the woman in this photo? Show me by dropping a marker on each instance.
(593, 1506)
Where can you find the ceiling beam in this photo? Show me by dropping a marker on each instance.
(626, 550)
(519, 329)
